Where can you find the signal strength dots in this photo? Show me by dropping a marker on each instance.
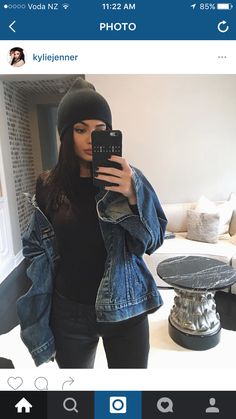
(65, 6)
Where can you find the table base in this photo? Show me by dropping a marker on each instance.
(194, 322)
(194, 342)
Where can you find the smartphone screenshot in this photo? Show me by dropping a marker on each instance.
(117, 209)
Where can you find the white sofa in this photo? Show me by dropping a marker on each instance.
(224, 250)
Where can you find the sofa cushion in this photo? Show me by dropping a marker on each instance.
(202, 227)
(176, 215)
(233, 239)
(222, 250)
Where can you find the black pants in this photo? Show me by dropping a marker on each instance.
(77, 332)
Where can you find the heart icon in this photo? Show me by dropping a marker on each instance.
(15, 382)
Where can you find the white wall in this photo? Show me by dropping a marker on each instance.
(180, 130)
(8, 207)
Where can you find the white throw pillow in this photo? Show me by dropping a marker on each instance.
(205, 205)
(225, 211)
(202, 226)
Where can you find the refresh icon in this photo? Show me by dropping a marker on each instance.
(222, 26)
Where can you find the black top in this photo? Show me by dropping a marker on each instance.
(80, 243)
(196, 273)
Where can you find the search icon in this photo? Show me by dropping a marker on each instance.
(165, 405)
(72, 405)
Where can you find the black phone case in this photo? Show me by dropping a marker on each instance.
(104, 145)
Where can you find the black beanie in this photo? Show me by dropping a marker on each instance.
(82, 102)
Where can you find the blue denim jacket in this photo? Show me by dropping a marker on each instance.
(127, 288)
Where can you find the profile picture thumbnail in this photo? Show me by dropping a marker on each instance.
(17, 57)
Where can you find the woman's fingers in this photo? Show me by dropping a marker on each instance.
(109, 170)
(122, 177)
(125, 168)
(123, 162)
(111, 179)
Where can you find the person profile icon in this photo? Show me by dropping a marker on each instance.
(17, 57)
(212, 408)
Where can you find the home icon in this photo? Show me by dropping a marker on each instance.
(23, 406)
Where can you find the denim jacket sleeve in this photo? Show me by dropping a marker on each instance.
(33, 308)
(145, 230)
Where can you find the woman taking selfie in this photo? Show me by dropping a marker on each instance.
(85, 246)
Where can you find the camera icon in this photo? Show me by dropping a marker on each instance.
(118, 404)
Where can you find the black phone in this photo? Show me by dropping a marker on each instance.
(104, 145)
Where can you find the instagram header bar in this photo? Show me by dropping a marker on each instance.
(135, 20)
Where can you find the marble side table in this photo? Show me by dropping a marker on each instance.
(193, 321)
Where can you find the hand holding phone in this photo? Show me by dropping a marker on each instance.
(104, 145)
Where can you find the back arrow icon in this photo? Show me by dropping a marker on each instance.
(11, 24)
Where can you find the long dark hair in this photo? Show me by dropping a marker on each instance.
(21, 57)
(63, 178)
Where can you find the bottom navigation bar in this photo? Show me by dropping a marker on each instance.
(127, 404)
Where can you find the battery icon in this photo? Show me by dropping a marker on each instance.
(224, 6)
